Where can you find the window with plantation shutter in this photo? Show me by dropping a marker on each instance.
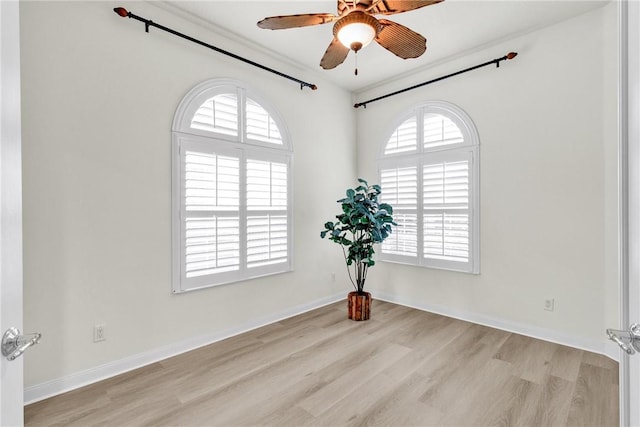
(433, 189)
(231, 188)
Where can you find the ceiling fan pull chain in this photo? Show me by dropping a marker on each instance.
(356, 70)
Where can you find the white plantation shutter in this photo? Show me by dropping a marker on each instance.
(211, 205)
(404, 138)
(266, 240)
(218, 114)
(266, 185)
(231, 189)
(400, 190)
(267, 229)
(211, 245)
(446, 210)
(429, 175)
(439, 131)
(260, 125)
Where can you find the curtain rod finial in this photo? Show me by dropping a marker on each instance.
(512, 55)
(313, 87)
(121, 11)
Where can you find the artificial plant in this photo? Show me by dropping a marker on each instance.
(363, 223)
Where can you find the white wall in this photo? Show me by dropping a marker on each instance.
(98, 99)
(548, 145)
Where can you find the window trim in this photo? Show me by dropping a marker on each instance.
(220, 143)
(418, 157)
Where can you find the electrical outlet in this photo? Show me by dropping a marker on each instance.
(99, 333)
(549, 304)
(333, 277)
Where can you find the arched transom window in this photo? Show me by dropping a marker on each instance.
(231, 188)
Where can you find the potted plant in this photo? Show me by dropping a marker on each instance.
(363, 223)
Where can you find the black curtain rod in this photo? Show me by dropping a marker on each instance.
(496, 61)
(148, 23)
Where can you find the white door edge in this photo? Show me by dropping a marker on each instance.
(11, 372)
(629, 205)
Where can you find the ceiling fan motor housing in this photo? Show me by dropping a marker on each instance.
(356, 17)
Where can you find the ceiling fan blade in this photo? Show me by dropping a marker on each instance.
(293, 21)
(389, 7)
(400, 40)
(334, 56)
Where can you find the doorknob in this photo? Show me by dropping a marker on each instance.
(14, 344)
(629, 340)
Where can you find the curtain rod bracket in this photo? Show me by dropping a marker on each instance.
(496, 61)
(121, 11)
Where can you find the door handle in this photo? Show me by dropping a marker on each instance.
(14, 344)
(629, 340)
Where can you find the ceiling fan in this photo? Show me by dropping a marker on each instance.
(355, 27)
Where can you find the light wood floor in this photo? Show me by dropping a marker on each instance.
(403, 367)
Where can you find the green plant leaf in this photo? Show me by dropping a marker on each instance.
(386, 207)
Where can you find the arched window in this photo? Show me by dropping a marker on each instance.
(231, 188)
(429, 173)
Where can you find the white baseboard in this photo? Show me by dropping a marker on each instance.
(600, 347)
(612, 351)
(57, 386)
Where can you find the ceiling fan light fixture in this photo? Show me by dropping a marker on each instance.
(356, 30)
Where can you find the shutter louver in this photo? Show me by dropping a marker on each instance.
(212, 245)
(404, 139)
(267, 238)
(218, 114)
(439, 131)
(446, 211)
(266, 185)
(400, 190)
(404, 239)
(212, 224)
(260, 125)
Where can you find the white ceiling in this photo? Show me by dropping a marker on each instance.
(452, 28)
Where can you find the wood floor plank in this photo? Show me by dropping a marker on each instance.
(565, 363)
(350, 382)
(554, 403)
(403, 367)
(595, 397)
(529, 357)
(402, 408)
